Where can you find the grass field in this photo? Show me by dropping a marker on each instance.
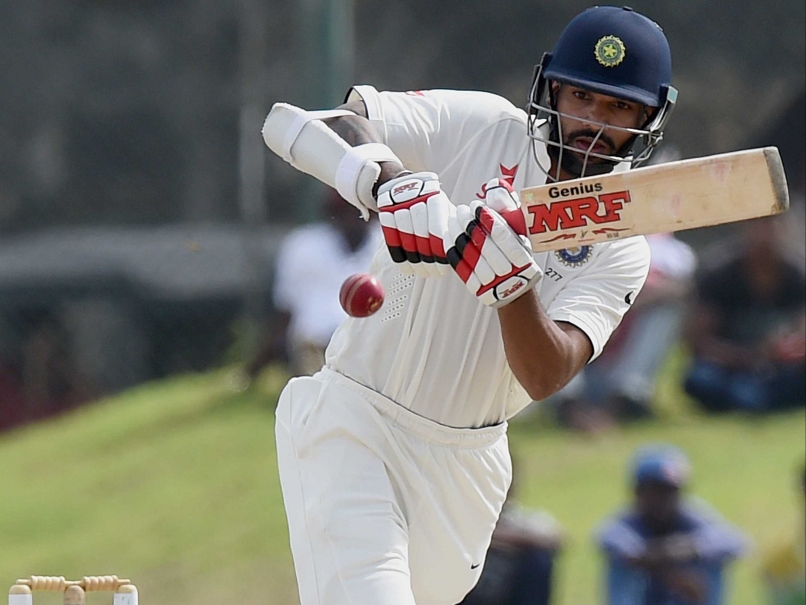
(174, 484)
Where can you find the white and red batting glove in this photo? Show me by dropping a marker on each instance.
(491, 254)
(414, 212)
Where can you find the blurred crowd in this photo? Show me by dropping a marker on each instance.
(38, 377)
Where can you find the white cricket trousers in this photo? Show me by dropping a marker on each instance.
(384, 507)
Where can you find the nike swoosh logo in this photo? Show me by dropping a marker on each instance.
(627, 298)
(475, 566)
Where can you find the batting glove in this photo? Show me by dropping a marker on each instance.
(492, 258)
(413, 212)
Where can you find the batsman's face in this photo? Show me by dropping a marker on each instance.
(585, 114)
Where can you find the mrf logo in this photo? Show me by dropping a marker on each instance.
(406, 187)
(577, 212)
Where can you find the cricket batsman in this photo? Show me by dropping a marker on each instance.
(393, 458)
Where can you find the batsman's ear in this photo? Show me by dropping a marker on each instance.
(649, 116)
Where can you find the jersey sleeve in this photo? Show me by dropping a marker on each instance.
(428, 129)
(596, 300)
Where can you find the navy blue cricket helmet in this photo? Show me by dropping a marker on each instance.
(614, 51)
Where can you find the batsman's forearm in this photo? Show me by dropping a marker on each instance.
(542, 355)
(358, 130)
(355, 130)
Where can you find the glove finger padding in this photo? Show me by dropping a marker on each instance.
(467, 250)
(495, 263)
(414, 213)
(501, 197)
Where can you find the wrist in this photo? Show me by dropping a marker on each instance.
(389, 171)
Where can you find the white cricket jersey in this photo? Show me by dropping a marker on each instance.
(433, 347)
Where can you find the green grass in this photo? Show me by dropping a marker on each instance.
(174, 484)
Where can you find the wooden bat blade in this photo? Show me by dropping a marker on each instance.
(686, 194)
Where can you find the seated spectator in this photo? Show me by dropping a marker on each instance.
(663, 550)
(785, 567)
(520, 561)
(12, 396)
(747, 331)
(620, 383)
(311, 264)
(39, 376)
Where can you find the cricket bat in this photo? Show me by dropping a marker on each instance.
(686, 194)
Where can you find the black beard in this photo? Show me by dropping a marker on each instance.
(573, 162)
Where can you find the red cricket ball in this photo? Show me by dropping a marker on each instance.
(361, 295)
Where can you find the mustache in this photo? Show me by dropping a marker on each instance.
(591, 134)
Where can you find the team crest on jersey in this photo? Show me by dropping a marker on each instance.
(574, 257)
(610, 51)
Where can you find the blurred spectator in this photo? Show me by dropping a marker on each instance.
(663, 550)
(747, 331)
(51, 381)
(785, 566)
(620, 383)
(311, 264)
(519, 565)
(41, 378)
(12, 399)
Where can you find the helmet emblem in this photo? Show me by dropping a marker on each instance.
(610, 51)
